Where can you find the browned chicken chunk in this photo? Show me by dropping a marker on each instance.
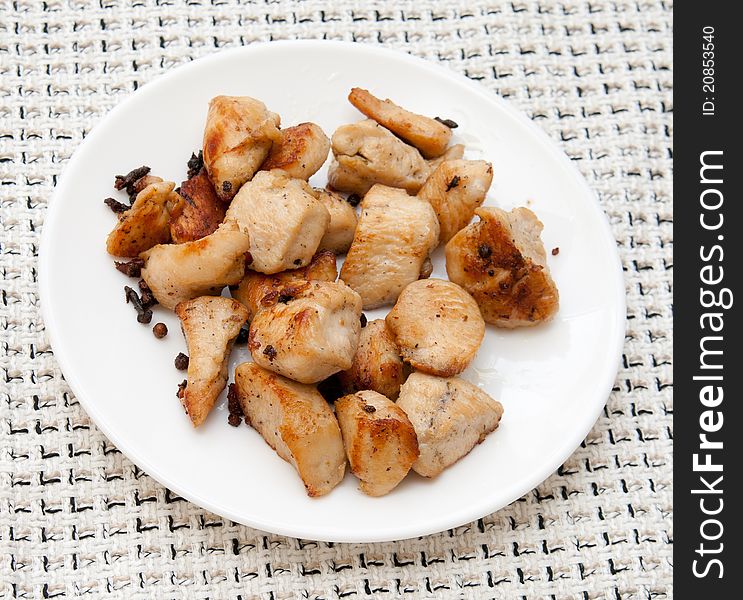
(377, 364)
(145, 224)
(394, 237)
(450, 417)
(257, 290)
(428, 135)
(210, 324)
(309, 336)
(200, 213)
(283, 218)
(366, 153)
(177, 272)
(437, 325)
(238, 136)
(380, 441)
(501, 261)
(300, 152)
(297, 422)
(455, 189)
(343, 220)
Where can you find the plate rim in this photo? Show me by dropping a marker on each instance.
(471, 512)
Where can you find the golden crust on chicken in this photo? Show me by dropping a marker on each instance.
(200, 212)
(455, 189)
(297, 422)
(500, 260)
(257, 290)
(210, 324)
(377, 364)
(450, 417)
(394, 237)
(238, 136)
(177, 272)
(380, 441)
(300, 152)
(308, 336)
(283, 218)
(428, 135)
(146, 223)
(437, 326)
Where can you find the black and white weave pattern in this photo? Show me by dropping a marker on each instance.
(77, 518)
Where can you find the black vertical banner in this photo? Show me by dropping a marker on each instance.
(707, 269)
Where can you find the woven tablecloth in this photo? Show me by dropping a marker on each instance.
(77, 518)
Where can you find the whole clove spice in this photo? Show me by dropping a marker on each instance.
(234, 408)
(116, 206)
(148, 298)
(194, 165)
(130, 268)
(242, 337)
(126, 182)
(144, 315)
(448, 122)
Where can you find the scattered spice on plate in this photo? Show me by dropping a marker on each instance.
(148, 299)
(130, 268)
(116, 206)
(127, 182)
(354, 200)
(242, 337)
(181, 361)
(160, 330)
(195, 163)
(448, 122)
(233, 406)
(555, 251)
(144, 314)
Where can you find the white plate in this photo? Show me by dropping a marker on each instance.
(553, 380)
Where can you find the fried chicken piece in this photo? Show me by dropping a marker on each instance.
(380, 441)
(200, 213)
(309, 336)
(501, 261)
(283, 218)
(450, 417)
(238, 136)
(437, 326)
(366, 153)
(455, 189)
(300, 152)
(296, 422)
(257, 286)
(427, 135)
(178, 272)
(395, 235)
(210, 324)
(377, 364)
(452, 153)
(343, 220)
(145, 224)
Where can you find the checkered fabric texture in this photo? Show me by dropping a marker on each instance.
(77, 518)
